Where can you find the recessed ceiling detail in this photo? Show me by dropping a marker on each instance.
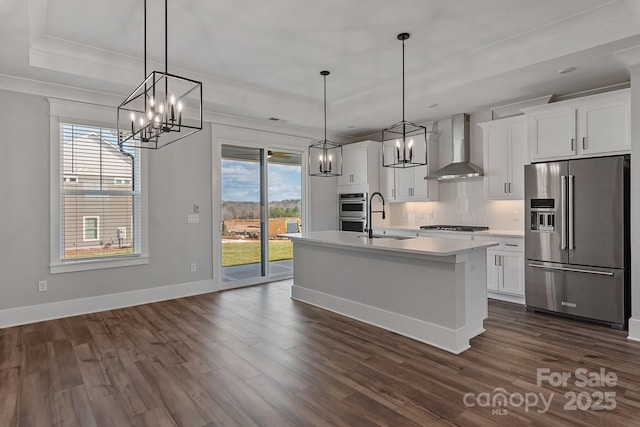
(470, 55)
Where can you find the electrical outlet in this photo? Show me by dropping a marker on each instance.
(193, 219)
(194, 267)
(42, 286)
(430, 215)
(404, 213)
(515, 215)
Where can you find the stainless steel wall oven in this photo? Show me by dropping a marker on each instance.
(352, 211)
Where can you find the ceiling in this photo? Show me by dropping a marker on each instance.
(261, 59)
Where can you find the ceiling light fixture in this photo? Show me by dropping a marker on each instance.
(401, 140)
(325, 157)
(153, 116)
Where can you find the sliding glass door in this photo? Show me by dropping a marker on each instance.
(261, 193)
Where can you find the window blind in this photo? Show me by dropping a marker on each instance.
(99, 194)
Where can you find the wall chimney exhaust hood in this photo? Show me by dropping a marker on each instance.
(460, 166)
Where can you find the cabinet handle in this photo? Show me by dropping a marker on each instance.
(501, 260)
(511, 244)
(572, 142)
(505, 187)
(584, 142)
(509, 187)
(495, 260)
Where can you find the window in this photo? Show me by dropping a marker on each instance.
(102, 199)
(97, 204)
(90, 230)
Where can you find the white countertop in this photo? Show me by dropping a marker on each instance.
(491, 232)
(433, 246)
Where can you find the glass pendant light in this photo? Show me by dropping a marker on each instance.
(402, 141)
(325, 157)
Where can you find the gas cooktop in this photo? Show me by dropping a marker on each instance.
(453, 227)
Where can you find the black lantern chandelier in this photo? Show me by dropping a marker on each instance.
(154, 115)
(325, 157)
(404, 144)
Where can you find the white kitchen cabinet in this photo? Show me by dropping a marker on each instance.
(604, 126)
(582, 127)
(408, 184)
(360, 165)
(505, 154)
(505, 270)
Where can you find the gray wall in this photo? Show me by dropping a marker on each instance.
(179, 176)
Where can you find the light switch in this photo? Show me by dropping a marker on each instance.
(193, 219)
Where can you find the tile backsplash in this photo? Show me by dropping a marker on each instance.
(461, 203)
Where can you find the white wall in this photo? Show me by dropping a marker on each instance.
(323, 203)
(634, 322)
(180, 175)
(461, 202)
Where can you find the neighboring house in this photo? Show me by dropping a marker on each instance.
(97, 185)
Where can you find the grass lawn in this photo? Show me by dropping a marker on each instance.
(96, 253)
(240, 253)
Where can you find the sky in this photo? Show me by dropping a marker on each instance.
(241, 181)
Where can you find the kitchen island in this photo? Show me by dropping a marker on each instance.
(430, 289)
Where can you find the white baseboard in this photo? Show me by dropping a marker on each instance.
(506, 297)
(56, 310)
(634, 329)
(453, 341)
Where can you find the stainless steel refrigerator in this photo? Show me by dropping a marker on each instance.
(577, 242)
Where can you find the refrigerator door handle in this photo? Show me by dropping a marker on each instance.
(575, 270)
(572, 245)
(563, 213)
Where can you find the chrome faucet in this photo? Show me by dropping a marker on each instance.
(369, 219)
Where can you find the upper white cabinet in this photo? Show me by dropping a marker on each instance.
(408, 184)
(583, 127)
(604, 126)
(360, 164)
(505, 154)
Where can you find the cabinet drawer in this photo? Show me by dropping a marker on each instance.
(511, 246)
(505, 243)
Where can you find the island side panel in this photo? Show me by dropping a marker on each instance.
(476, 301)
(420, 298)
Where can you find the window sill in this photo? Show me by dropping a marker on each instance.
(72, 266)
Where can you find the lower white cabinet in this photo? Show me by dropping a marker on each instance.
(505, 270)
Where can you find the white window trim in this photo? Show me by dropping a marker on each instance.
(84, 228)
(62, 111)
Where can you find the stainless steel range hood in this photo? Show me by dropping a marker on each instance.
(460, 166)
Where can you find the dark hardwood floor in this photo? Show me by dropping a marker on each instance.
(255, 357)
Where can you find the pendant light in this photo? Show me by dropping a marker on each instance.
(153, 116)
(404, 144)
(325, 157)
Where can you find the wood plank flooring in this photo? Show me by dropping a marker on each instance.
(254, 357)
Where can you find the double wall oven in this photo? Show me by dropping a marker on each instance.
(352, 211)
